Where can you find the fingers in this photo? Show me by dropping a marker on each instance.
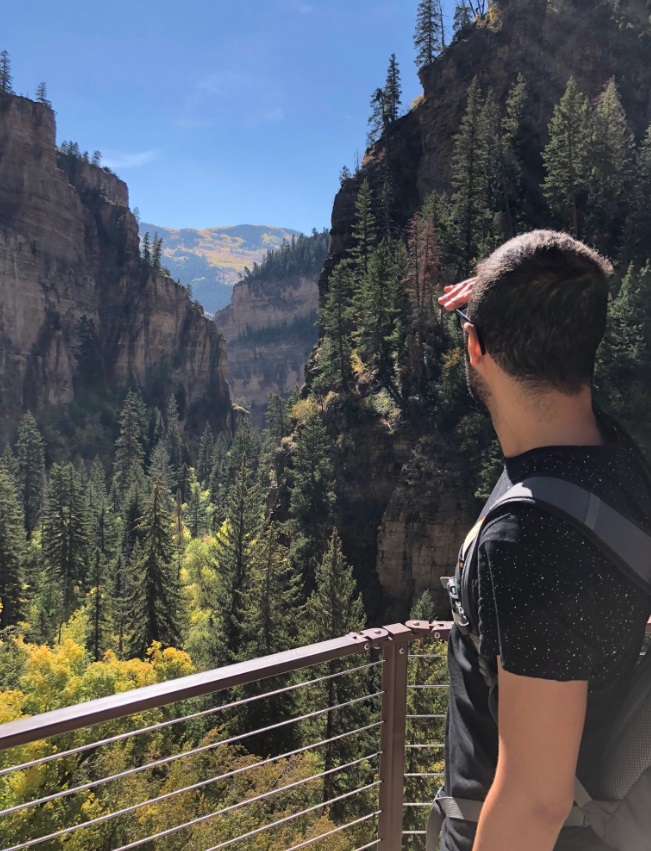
(456, 295)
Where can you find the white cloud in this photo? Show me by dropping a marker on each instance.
(121, 160)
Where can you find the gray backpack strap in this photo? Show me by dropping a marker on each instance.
(622, 540)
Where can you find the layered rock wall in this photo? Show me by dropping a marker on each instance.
(270, 328)
(69, 249)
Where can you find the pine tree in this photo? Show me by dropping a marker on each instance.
(196, 511)
(120, 591)
(494, 197)
(611, 158)
(392, 91)
(12, 551)
(154, 603)
(637, 232)
(244, 447)
(97, 158)
(270, 614)
(10, 463)
(511, 155)
(161, 466)
(278, 423)
(379, 312)
(98, 607)
(429, 34)
(129, 450)
(30, 449)
(155, 431)
(378, 120)
(567, 158)
(312, 500)
(470, 208)
(146, 249)
(336, 320)
(5, 74)
(41, 95)
(244, 513)
(463, 16)
(422, 281)
(335, 608)
(218, 475)
(174, 441)
(204, 457)
(364, 231)
(65, 539)
(157, 251)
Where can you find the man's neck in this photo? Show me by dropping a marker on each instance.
(524, 421)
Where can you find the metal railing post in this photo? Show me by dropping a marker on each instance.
(392, 737)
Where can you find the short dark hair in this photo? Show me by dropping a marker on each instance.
(540, 303)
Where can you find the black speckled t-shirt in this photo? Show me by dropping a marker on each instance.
(552, 606)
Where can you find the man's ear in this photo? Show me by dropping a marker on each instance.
(472, 344)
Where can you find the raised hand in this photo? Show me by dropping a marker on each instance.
(456, 295)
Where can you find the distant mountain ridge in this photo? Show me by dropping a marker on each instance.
(212, 260)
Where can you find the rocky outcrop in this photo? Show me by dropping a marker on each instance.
(270, 328)
(69, 256)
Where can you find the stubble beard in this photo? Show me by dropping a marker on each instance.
(477, 387)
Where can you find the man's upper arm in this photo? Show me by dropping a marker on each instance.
(540, 728)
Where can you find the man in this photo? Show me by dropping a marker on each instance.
(562, 623)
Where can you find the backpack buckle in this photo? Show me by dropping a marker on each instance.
(458, 614)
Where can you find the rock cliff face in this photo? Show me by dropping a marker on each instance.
(270, 328)
(405, 495)
(68, 251)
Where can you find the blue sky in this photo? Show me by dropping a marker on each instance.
(215, 112)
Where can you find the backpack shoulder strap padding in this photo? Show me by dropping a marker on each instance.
(621, 539)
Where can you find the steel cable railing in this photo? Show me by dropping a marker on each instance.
(351, 798)
(161, 725)
(167, 760)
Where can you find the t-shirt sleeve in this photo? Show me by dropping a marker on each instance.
(535, 586)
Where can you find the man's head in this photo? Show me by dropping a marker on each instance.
(539, 303)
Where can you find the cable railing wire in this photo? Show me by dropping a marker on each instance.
(166, 760)
(170, 722)
(338, 830)
(284, 820)
(200, 819)
(67, 792)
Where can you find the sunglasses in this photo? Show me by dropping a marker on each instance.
(461, 319)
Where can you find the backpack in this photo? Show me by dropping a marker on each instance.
(621, 818)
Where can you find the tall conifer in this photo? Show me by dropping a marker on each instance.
(392, 91)
(364, 231)
(129, 447)
(6, 78)
(65, 539)
(30, 449)
(312, 500)
(12, 551)
(204, 457)
(335, 608)
(637, 232)
(336, 320)
(429, 37)
(567, 158)
(470, 167)
(154, 602)
(611, 159)
(269, 623)
(244, 514)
